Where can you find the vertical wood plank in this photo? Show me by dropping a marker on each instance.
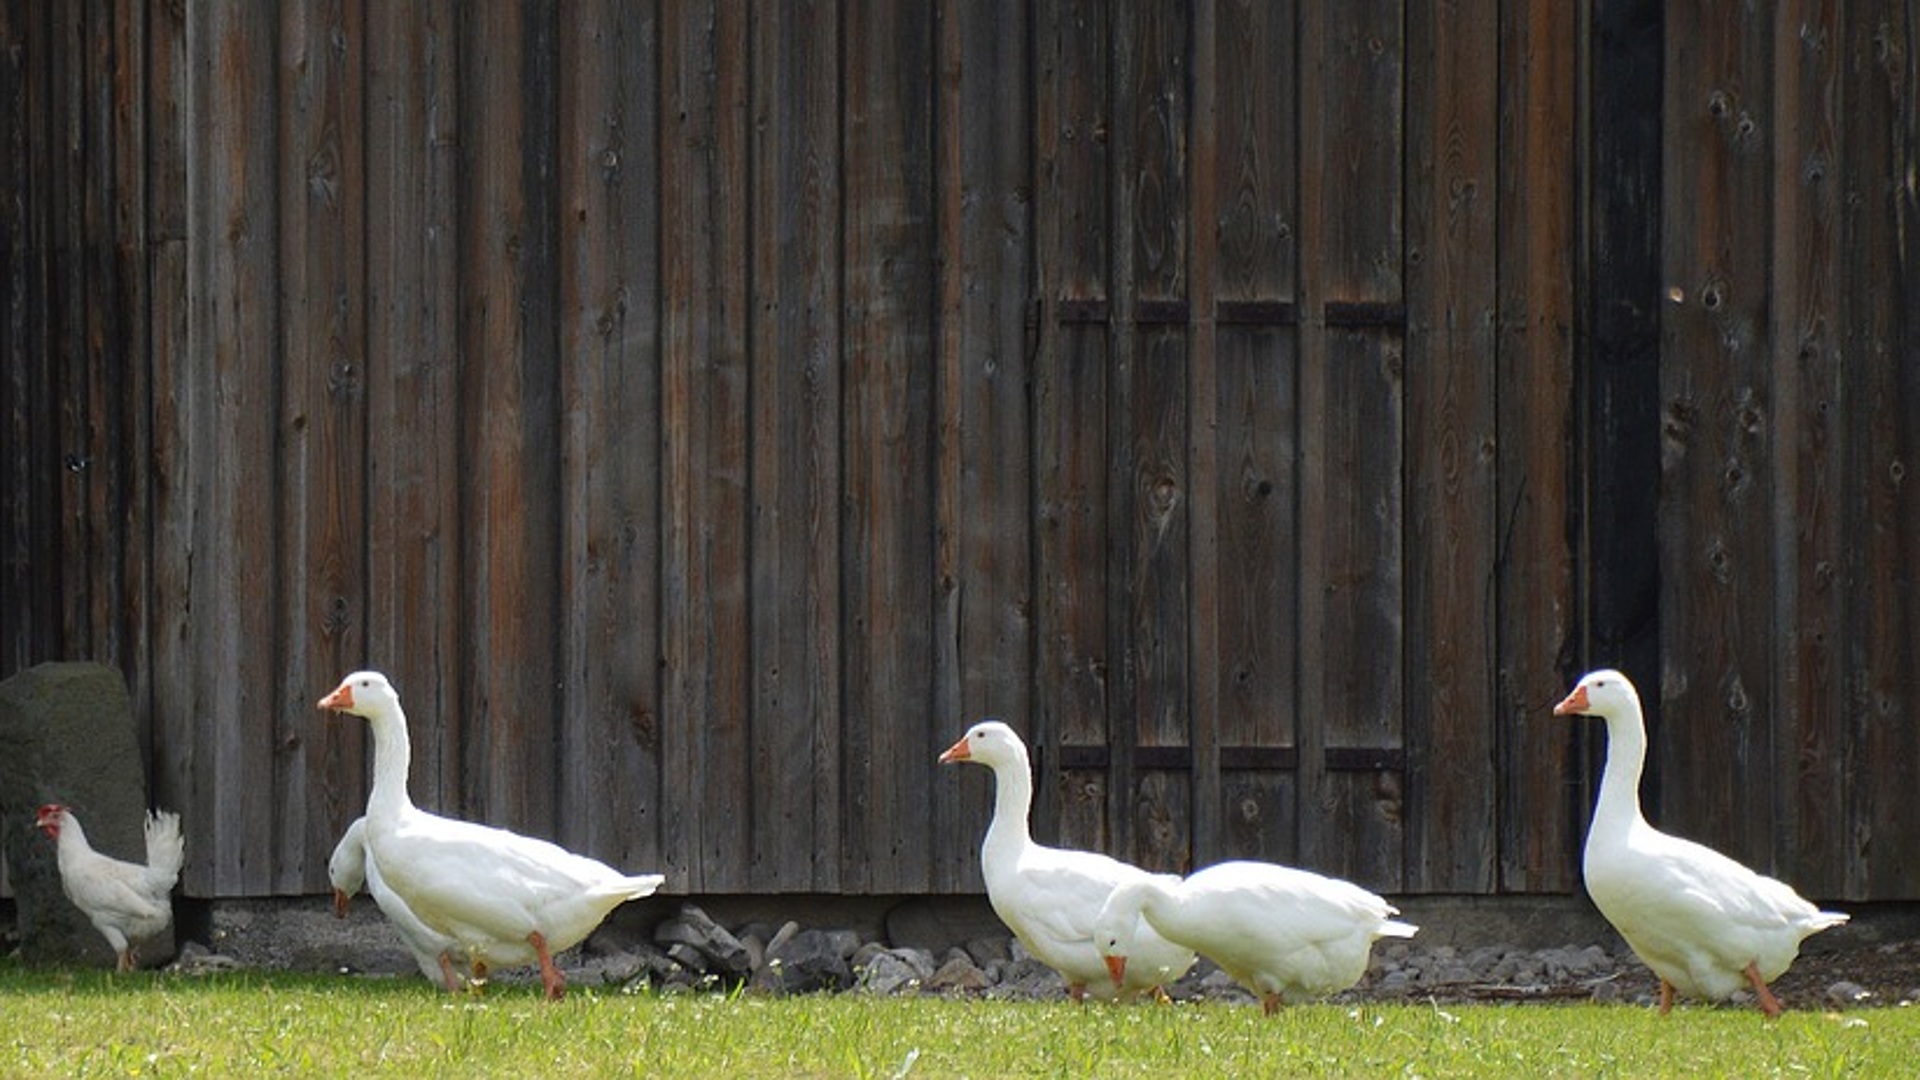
(704, 341)
(1453, 290)
(1358, 501)
(414, 453)
(1149, 517)
(323, 409)
(1620, 403)
(16, 505)
(1310, 690)
(70, 195)
(1881, 153)
(105, 472)
(1075, 690)
(797, 375)
(1072, 701)
(1532, 558)
(509, 411)
(1255, 561)
(1717, 560)
(1806, 455)
(983, 604)
(167, 132)
(1155, 554)
(233, 338)
(1360, 831)
(610, 788)
(125, 329)
(1203, 162)
(887, 552)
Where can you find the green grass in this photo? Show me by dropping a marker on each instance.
(92, 1024)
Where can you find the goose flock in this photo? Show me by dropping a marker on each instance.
(467, 897)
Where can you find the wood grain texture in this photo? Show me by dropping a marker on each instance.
(1881, 153)
(887, 551)
(1359, 404)
(1247, 474)
(1071, 400)
(609, 786)
(509, 436)
(1713, 757)
(1452, 434)
(796, 463)
(322, 411)
(19, 503)
(703, 418)
(415, 568)
(983, 606)
(705, 411)
(1532, 549)
(233, 341)
(1807, 519)
(169, 547)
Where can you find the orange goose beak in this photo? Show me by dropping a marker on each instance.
(1575, 705)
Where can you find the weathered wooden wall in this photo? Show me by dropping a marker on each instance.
(704, 411)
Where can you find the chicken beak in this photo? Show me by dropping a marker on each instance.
(957, 752)
(340, 902)
(341, 698)
(1575, 705)
(1117, 967)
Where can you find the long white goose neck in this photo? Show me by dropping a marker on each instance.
(1130, 900)
(1619, 803)
(392, 757)
(1012, 800)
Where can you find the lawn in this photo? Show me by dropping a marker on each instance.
(156, 1025)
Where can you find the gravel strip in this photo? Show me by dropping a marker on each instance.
(691, 952)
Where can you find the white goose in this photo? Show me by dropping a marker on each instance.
(504, 898)
(1704, 923)
(1049, 896)
(349, 868)
(1278, 931)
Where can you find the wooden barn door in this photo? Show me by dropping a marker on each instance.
(1303, 569)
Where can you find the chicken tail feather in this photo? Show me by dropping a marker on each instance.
(166, 848)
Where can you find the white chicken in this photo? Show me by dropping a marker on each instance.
(128, 903)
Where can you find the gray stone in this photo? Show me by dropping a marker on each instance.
(958, 975)
(891, 971)
(1845, 992)
(807, 961)
(1593, 959)
(687, 957)
(985, 950)
(196, 959)
(1395, 982)
(864, 955)
(722, 953)
(70, 738)
(1026, 977)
